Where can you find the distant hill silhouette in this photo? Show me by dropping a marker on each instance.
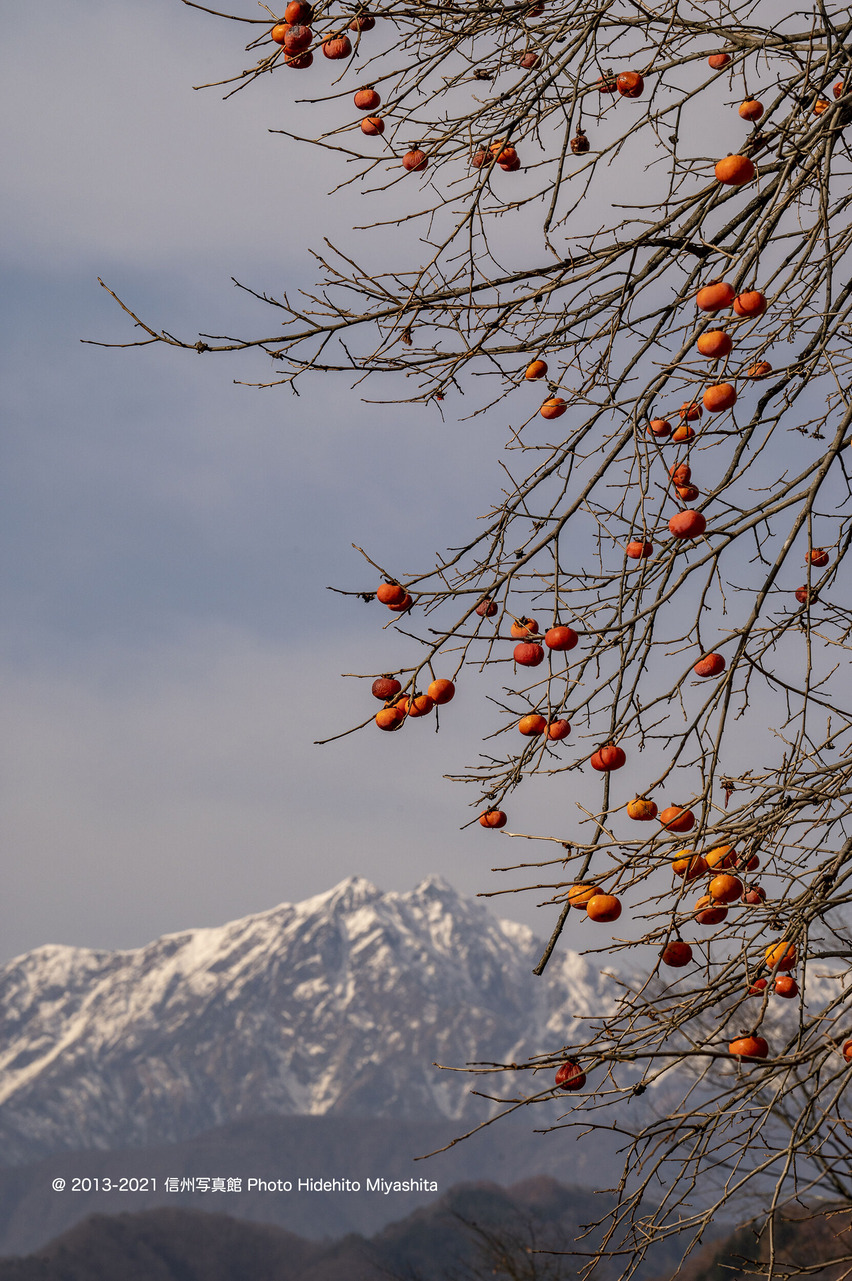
(31, 1213)
(460, 1235)
(802, 1239)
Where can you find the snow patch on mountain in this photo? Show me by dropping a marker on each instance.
(339, 1004)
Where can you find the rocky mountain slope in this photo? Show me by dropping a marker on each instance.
(338, 1005)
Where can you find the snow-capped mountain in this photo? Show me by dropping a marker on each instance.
(339, 1004)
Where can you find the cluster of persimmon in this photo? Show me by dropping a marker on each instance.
(529, 652)
(296, 37)
(399, 707)
(397, 599)
(500, 153)
(628, 83)
(721, 865)
(724, 889)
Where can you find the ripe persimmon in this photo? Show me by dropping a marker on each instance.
(580, 143)
(538, 369)
(689, 865)
(560, 637)
(638, 551)
(493, 818)
(532, 724)
(414, 161)
(683, 432)
(687, 524)
(714, 343)
(689, 412)
(641, 810)
(820, 106)
(722, 856)
(581, 894)
(749, 1047)
(603, 907)
(710, 665)
(725, 888)
(279, 31)
(298, 61)
(557, 730)
(805, 595)
(528, 654)
(786, 986)
(758, 986)
(630, 84)
(403, 606)
(441, 690)
(754, 896)
(688, 493)
(298, 38)
(298, 11)
(390, 593)
(781, 956)
(676, 954)
(362, 22)
(390, 717)
(373, 126)
(734, 171)
(418, 705)
(818, 557)
(708, 913)
(719, 397)
(553, 408)
(676, 818)
(762, 369)
(487, 608)
(750, 303)
(385, 687)
(367, 99)
(715, 296)
(719, 60)
(751, 109)
(607, 758)
(529, 60)
(523, 628)
(660, 427)
(570, 1076)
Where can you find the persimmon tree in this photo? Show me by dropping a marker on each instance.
(624, 229)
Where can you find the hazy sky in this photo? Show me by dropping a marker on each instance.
(169, 648)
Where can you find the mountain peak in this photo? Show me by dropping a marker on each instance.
(340, 1004)
(435, 886)
(348, 895)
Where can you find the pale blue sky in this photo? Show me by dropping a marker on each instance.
(169, 650)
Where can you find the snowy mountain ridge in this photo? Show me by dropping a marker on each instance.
(338, 1004)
